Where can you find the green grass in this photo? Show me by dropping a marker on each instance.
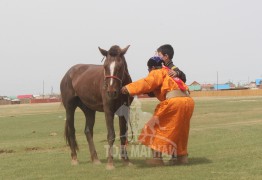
(224, 143)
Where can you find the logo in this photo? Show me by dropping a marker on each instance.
(144, 127)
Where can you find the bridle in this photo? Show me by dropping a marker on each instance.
(116, 77)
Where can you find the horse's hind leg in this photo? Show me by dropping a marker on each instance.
(123, 139)
(90, 121)
(70, 130)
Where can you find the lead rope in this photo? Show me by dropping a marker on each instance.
(132, 132)
(129, 104)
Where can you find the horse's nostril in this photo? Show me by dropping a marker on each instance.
(112, 93)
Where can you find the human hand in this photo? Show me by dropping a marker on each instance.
(124, 90)
(172, 73)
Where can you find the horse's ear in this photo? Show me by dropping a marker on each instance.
(123, 51)
(103, 52)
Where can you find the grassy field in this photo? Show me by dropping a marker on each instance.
(225, 143)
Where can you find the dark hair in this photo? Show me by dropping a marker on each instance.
(153, 63)
(166, 49)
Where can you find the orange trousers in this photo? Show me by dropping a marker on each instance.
(168, 130)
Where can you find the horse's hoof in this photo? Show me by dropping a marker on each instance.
(96, 162)
(74, 162)
(110, 167)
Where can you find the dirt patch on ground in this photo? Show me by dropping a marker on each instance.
(49, 149)
(6, 151)
(28, 149)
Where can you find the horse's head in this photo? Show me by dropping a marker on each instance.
(114, 69)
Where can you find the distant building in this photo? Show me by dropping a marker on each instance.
(194, 86)
(221, 86)
(4, 100)
(252, 85)
(207, 87)
(258, 82)
(15, 101)
(25, 96)
(231, 85)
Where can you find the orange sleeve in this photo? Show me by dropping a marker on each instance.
(147, 84)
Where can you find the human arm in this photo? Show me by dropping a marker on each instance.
(145, 85)
(176, 72)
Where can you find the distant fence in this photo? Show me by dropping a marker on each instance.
(27, 101)
(44, 100)
(221, 93)
(247, 92)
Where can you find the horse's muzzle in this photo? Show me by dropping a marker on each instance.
(112, 93)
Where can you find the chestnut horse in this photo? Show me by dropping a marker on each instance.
(97, 88)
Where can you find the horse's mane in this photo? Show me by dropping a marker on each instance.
(114, 50)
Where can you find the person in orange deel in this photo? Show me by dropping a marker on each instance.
(167, 131)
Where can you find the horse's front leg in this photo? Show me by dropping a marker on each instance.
(123, 126)
(110, 138)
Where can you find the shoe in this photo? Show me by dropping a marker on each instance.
(172, 161)
(182, 160)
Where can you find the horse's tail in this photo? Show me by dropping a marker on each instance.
(70, 134)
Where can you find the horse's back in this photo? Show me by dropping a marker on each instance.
(78, 70)
(84, 81)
